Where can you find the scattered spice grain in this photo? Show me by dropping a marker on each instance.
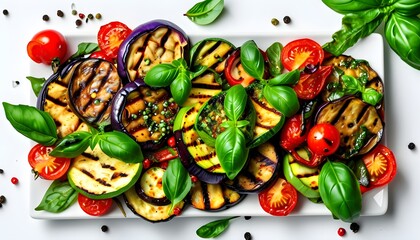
(247, 236)
(411, 146)
(1, 171)
(275, 21)
(2, 199)
(78, 22)
(355, 227)
(98, 16)
(341, 232)
(104, 228)
(60, 13)
(287, 19)
(5, 12)
(247, 217)
(14, 180)
(46, 18)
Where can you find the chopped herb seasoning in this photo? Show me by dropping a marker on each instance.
(411, 146)
(5, 12)
(287, 19)
(60, 13)
(275, 21)
(355, 227)
(104, 228)
(247, 236)
(45, 18)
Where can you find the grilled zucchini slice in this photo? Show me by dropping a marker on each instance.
(150, 188)
(99, 176)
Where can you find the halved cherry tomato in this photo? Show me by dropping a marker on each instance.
(46, 46)
(293, 133)
(234, 71)
(110, 37)
(381, 165)
(46, 166)
(301, 52)
(94, 207)
(323, 139)
(310, 85)
(279, 199)
(101, 55)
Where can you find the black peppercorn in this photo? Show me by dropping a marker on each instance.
(287, 19)
(45, 18)
(247, 217)
(60, 13)
(78, 22)
(411, 146)
(354, 227)
(2, 199)
(104, 228)
(247, 236)
(1, 171)
(5, 12)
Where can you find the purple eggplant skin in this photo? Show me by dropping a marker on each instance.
(140, 31)
(192, 167)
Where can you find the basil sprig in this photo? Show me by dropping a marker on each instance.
(361, 18)
(176, 75)
(205, 12)
(85, 48)
(231, 144)
(214, 228)
(36, 84)
(58, 197)
(340, 191)
(277, 90)
(176, 182)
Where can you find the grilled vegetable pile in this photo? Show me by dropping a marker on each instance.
(166, 124)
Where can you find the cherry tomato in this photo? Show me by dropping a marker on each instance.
(310, 85)
(172, 142)
(381, 165)
(46, 46)
(301, 52)
(46, 166)
(94, 207)
(101, 55)
(279, 199)
(110, 36)
(293, 133)
(323, 139)
(234, 71)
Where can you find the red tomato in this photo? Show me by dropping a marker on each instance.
(234, 71)
(110, 36)
(293, 133)
(101, 55)
(381, 165)
(301, 52)
(323, 139)
(279, 199)
(94, 207)
(46, 166)
(46, 46)
(310, 85)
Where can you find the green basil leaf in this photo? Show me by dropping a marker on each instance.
(84, 49)
(200, 69)
(252, 60)
(232, 151)
(36, 84)
(205, 12)
(235, 102)
(274, 59)
(371, 96)
(282, 98)
(176, 182)
(31, 122)
(72, 145)
(351, 84)
(180, 63)
(181, 87)
(119, 145)
(58, 197)
(407, 7)
(403, 36)
(214, 228)
(349, 6)
(289, 78)
(355, 26)
(340, 191)
(161, 75)
(242, 123)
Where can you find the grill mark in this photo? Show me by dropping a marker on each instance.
(186, 129)
(340, 112)
(142, 50)
(207, 86)
(165, 37)
(362, 113)
(118, 175)
(77, 72)
(261, 104)
(206, 197)
(90, 156)
(56, 101)
(211, 50)
(205, 157)
(102, 81)
(108, 166)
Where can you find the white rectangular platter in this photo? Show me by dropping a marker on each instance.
(375, 202)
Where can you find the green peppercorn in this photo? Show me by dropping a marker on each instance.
(98, 16)
(45, 18)
(60, 13)
(74, 12)
(90, 16)
(5, 12)
(275, 21)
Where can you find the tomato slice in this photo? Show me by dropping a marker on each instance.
(323, 139)
(293, 133)
(234, 71)
(310, 85)
(101, 55)
(46, 166)
(94, 207)
(110, 37)
(301, 52)
(381, 165)
(279, 199)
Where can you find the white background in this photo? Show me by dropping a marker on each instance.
(239, 17)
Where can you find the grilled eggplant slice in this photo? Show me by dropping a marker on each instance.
(92, 86)
(262, 166)
(99, 176)
(144, 113)
(150, 212)
(150, 188)
(360, 125)
(213, 197)
(149, 44)
(54, 100)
